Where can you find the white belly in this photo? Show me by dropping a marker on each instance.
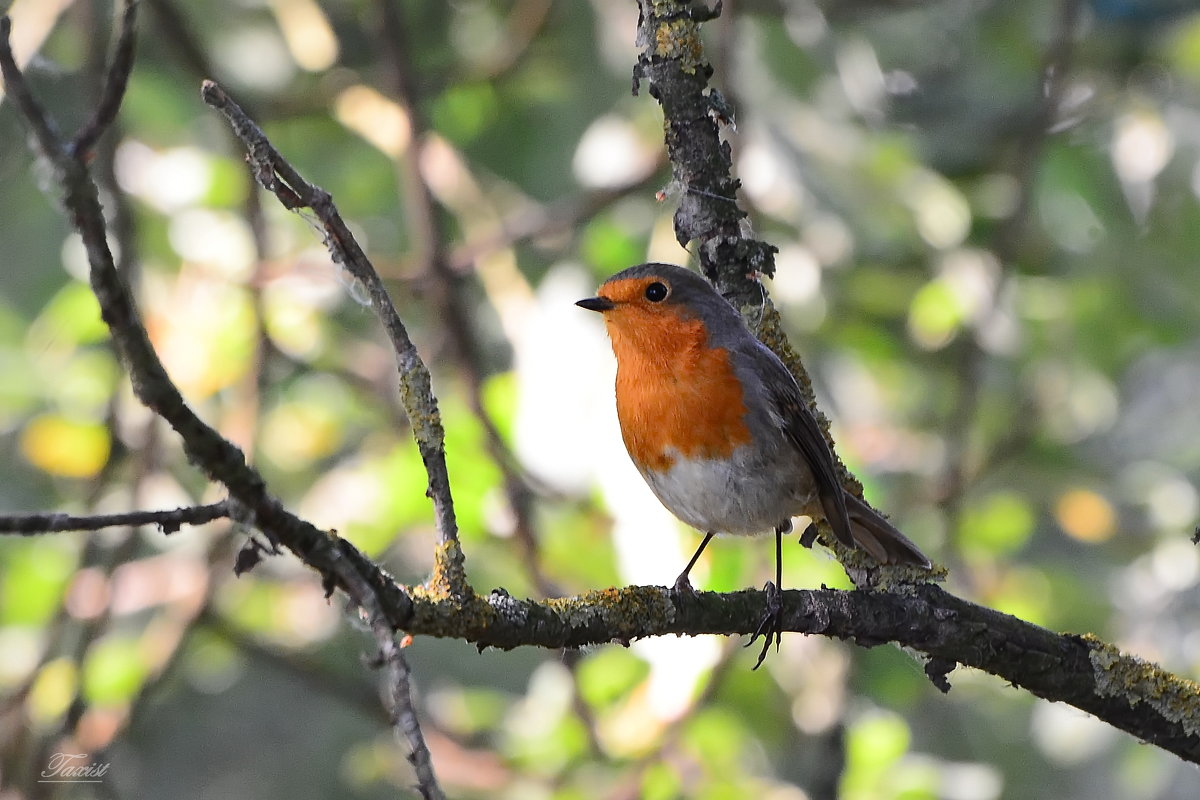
(710, 495)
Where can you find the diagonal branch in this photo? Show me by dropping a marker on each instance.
(279, 177)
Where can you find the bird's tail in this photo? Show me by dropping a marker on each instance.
(879, 537)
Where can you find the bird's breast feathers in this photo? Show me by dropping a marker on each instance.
(690, 406)
(687, 428)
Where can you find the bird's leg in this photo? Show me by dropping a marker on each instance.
(682, 584)
(771, 626)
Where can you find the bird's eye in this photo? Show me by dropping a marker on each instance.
(656, 292)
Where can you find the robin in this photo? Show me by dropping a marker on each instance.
(719, 429)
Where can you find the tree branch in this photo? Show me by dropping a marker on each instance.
(1128, 693)
(672, 61)
(276, 175)
(167, 521)
(340, 564)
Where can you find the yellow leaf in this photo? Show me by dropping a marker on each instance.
(67, 447)
(53, 690)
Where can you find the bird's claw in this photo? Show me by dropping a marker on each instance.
(771, 626)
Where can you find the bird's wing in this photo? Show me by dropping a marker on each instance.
(801, 429)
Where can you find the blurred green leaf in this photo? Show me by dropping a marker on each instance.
(114, 670)
(609, 674)
(34, 576)
(660, 782)
(463, 111)
(608, 247)
(716, 736)
(874, 743)
(71, 318)
(999, 524)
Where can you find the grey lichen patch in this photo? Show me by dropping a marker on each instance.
(900, 578)
(1120, 675)
(627, 613)
(508, 607)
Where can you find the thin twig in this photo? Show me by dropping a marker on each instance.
(115, 81)
(167, 521)
(397, 685)
(404, 713)
(44, 130)
(185, 46)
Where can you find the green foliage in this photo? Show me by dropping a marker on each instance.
(998, 306)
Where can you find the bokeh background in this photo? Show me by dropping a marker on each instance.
(987, 222)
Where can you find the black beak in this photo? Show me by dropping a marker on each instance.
(597, 304)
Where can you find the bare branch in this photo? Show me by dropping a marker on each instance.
(168, 521)
(279, 177)
(404, 714)
(672, 60)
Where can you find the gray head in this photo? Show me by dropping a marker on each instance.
(638, 296)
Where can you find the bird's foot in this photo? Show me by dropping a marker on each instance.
(683, 587)
(771, 627)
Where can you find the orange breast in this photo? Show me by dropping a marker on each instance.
(675, 396)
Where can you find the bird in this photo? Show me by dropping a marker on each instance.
(719, 429)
